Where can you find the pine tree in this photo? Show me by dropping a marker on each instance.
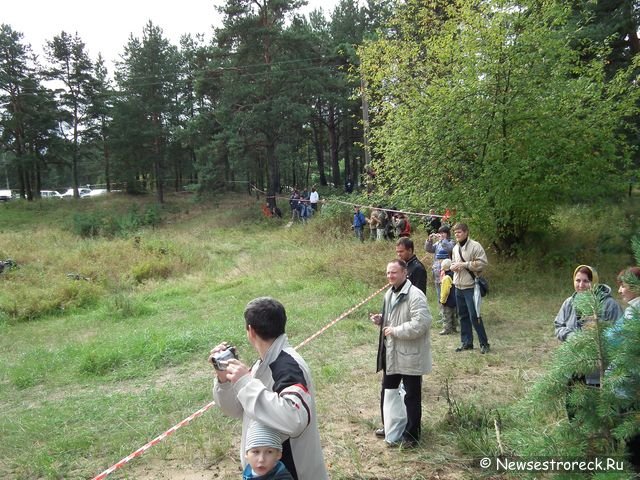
(28, 124)
(71, 65)
(605, 419)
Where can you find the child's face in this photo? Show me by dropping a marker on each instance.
(263, 459)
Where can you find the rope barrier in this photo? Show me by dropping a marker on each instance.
(345, 314)
(153, 442)
(195, 415)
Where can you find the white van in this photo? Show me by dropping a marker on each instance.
(82, 191)
(50, 194)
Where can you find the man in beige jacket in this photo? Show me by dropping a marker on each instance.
(468, 260)
(404, 348)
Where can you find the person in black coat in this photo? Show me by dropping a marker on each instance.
(415, 269)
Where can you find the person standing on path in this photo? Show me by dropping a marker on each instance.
(404, 347)
(469, 259)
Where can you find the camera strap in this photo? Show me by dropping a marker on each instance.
(473, 275)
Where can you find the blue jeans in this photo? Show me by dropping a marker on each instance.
(468, 316)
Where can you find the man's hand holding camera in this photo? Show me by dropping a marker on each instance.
(235, 370)
(228, 368)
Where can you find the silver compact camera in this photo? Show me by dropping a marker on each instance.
(221, 359)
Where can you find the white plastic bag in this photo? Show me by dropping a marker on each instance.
(395, 414)
(477, 300)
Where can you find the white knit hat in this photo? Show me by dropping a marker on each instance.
(259, 435)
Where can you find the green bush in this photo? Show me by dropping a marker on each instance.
(152, 215)
(87, 225)
(31, 303)
(31, 368)
(78, 293)
(101, 361)
(151, 269)
(123, 306)
(25, 376)
(95, 224)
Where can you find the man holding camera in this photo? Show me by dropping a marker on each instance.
(277, 390)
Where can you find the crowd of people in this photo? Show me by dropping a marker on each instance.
(276, 398)
(303, 204)
(383, 224)
(391, 223)
(467, 260)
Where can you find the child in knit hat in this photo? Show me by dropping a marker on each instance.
(263, 451)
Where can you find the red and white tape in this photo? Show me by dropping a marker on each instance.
(153, 442)
(195, 415)
(345, 314)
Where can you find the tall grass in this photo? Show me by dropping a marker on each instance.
(94, 367)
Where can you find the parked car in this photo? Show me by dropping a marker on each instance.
(5, 195)
(50, 194)
(82, 191)
(97, 192)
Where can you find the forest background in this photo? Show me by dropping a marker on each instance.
(502, 110)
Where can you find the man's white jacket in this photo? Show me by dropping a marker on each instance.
(408, 350)
(279, 393)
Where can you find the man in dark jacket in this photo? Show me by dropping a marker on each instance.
(415, 269)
